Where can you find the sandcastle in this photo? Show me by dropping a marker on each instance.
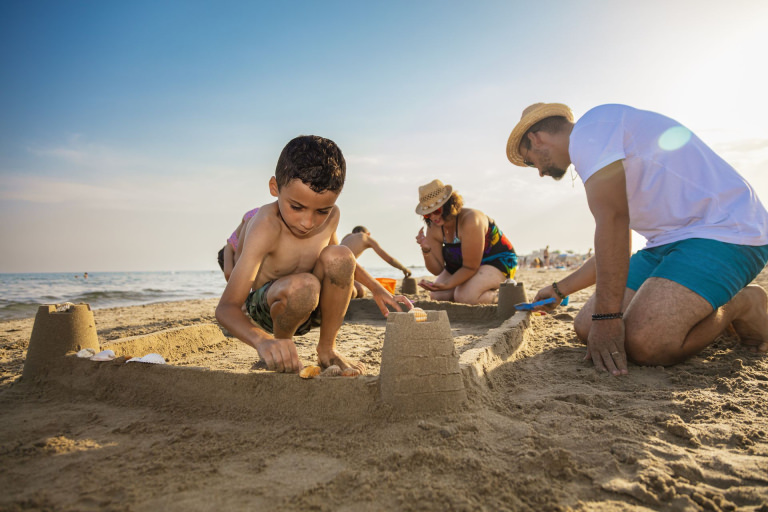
(408, 286)
(59, 329)
(419, 365)
(423, 368)
(510, 294)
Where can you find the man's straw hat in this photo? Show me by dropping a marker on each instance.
(530, 117)
(432, 196)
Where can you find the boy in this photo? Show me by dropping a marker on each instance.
(358, 241)
(291, 267)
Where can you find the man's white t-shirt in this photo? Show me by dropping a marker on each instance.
(677, 187)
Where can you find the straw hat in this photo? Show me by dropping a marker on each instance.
(432, 196)
(532, 115)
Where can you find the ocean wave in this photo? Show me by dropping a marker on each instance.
(18, 310)
(96, 299)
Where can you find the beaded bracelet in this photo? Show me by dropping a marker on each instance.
(607, 316)
(557, 291)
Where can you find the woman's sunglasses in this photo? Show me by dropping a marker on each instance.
(439, 211)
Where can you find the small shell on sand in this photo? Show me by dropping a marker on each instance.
(419, 314)
(331, 371)
(310, 372)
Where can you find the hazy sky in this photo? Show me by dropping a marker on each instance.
(134, 135)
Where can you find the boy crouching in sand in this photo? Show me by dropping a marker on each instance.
(292, 275)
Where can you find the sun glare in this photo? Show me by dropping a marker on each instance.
(674, 138)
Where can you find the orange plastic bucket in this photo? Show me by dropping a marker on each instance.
(387, 283)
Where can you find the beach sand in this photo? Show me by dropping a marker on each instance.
(549, 432)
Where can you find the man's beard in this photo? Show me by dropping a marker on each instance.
(555, 172)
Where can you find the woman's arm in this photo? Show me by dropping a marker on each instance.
(431, 249)
(472, 225)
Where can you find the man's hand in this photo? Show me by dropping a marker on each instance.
(279, 354)
(546, 293)
(605, 346)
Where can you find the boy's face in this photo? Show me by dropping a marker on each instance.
(302, 209)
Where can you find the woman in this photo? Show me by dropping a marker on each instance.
(463, 247)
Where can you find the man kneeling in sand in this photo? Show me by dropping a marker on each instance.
(707, 234)
(291, 268)
(358, 241)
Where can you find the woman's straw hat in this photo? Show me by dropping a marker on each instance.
(432, 196)
(532, 115)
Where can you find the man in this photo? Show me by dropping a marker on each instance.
(707, 234)
(358, 241)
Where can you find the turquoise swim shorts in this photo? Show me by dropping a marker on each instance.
(714, 270)
(258, 308)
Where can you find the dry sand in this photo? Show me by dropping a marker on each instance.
(549, 434)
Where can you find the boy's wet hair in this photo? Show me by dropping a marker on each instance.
(316, 161)
(359, 229)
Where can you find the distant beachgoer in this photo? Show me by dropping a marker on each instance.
(85, 275)
(291, 273)
(358, 241)
(228, 254)
(706, 231)
(463, 247)
(545, 256)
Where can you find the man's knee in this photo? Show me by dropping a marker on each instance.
(582, 324)
(647, 347)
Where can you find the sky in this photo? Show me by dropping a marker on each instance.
(135, 135)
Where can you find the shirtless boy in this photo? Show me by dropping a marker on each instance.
(291, 267)
(358, 241)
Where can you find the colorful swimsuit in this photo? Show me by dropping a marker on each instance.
(232, 240)
(498, 251)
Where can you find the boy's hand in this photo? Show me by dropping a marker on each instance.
(279, 354)
(407, 273)
(385, 299)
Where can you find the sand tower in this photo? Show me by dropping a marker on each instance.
(408, 286)
(509, 295)
(419, 365)
(58, 329)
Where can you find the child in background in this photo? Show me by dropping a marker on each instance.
(358, 241)
(228, 254)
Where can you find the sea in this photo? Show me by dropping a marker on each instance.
(22, 294)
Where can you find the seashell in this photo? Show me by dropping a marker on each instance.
(419, 314)
(104, 355)
(351, 372)
(149, 358)
(62, 308)
(310, 372)
(86, 352)
(331, 371)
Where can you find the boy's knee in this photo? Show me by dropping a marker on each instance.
(302, 293)
(338, 261)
